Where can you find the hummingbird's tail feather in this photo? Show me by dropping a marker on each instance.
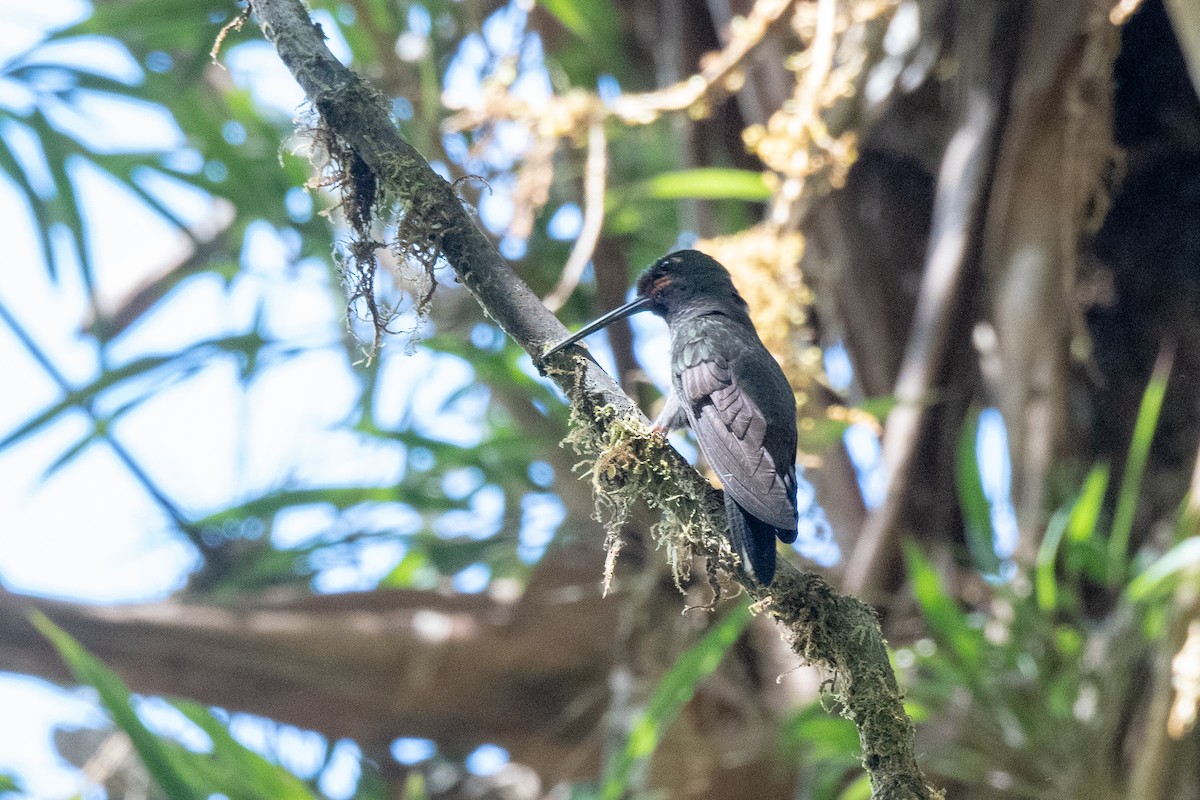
(753, 541)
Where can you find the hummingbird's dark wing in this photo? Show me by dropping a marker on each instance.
(750, 451)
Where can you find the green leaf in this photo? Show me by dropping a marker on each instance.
(161, 761)
(59, 152)
(672, 693)
(817, 735)
(860, 789)
(824, 432)
(593, 21)
(1085, 514)
(706, 183)
(879, 407)
(1045, 580)
(266, 506)
(69, 454)
(1161, 575)
(176, 26)
(947, 622)
(231, 769)
(248, 774)
(1135, 466)
(42, 211)
(410, 573)
(1079, 525)
(977, 511)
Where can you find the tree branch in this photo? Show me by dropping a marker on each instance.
(529, 675)
(839, 633)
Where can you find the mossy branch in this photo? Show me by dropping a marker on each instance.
(836, 632)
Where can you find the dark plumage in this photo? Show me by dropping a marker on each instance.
(733, 395)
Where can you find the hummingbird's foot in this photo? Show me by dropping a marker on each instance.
(672, 417)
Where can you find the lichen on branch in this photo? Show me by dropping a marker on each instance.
(629, 462)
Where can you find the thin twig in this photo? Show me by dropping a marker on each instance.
(595, 177)
(234, 24)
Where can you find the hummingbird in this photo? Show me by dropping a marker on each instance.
(730, 391)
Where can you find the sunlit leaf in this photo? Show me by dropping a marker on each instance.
(410, 572)
(1163, 572)
(1046, 581)
(822, 432)
(231, 769)
(1085, 514)
(169, 25)
(1135, 465)
(860, 789)
(243, 767)
(594, 22)
(708, 183)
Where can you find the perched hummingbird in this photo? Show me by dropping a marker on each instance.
(731, 392)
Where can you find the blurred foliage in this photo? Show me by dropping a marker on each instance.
(230, 769)
(670, 696)
(1034, 689)
(1028, 691)
(826, 748)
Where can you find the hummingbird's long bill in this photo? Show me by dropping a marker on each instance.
(630, 308)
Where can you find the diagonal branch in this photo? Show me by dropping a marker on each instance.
(840, 633)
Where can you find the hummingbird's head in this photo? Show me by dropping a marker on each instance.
(683, 282)
(687, 279)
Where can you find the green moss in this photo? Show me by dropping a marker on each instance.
(627, 461)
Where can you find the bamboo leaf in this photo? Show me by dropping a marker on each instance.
(244, 767)
(161, 762)
(593, 21)
(43, 215)
(1045, 580)
(1135, 465)
(1085, 514)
